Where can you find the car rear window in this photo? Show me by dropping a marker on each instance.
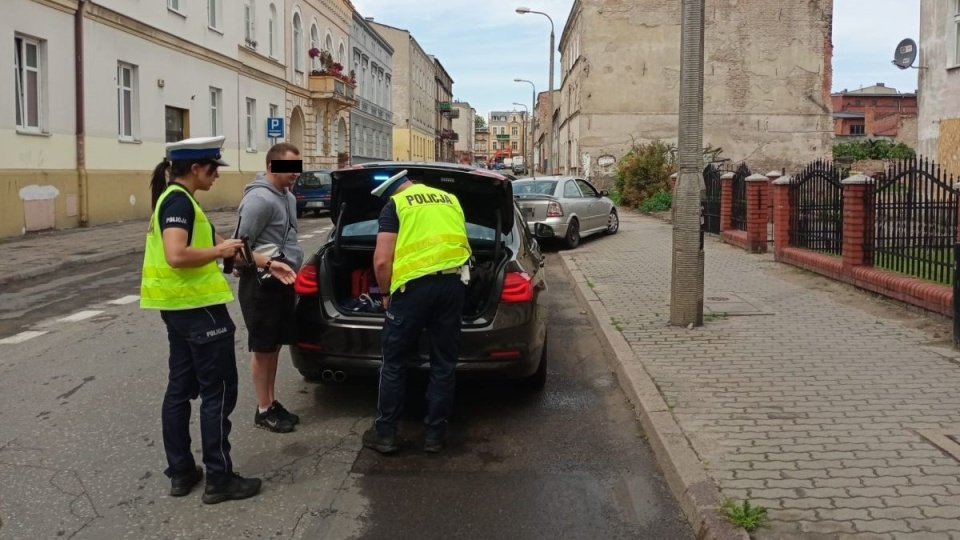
(536, 187)
(475, 233)
(314, 180)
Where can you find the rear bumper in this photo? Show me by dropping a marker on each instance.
(558, 224)
(313, 204)
(317, 361)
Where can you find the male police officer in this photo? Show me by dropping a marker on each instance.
(421, 251)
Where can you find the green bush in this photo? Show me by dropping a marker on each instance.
(659, 202)
(614, 196)
(645, 171)
(879, 149)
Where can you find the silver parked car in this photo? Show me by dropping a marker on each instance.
(569, 206)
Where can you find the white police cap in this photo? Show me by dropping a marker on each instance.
(199, 149)
(388, 186)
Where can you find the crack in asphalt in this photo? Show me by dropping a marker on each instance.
(74, 390)
(281, 473)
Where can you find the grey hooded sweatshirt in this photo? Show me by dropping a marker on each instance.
(267, 216)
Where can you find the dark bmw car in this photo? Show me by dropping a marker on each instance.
(504, 320)
(312, 190)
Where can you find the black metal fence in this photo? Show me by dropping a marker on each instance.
(816, 203)
(738, 210)
(915, 221)
(711, 203)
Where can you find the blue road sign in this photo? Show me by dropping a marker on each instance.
(275, 128)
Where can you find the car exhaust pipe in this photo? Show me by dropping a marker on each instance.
(339, 376)
(327, 375)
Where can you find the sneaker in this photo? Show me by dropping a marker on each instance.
(434, 443)
(181, 486)
(235, 488)
(385, 444)
(271, 420)
(284, 413)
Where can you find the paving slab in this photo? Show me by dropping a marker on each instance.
(820, 410)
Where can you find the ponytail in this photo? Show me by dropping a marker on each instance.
(158, 182)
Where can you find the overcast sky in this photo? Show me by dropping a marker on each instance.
(485, 44)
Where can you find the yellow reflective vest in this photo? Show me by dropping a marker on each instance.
(168, 288)
(432, 237)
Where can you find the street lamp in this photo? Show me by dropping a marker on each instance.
(686, 287)
(532, 165)
(524, 11)
(523, 132)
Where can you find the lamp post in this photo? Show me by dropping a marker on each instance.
(533, 124)
(686, 287)
(524, 11)
(523, 132)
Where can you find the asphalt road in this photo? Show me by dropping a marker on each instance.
(81, 455)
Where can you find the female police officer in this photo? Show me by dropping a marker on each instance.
(181, 278)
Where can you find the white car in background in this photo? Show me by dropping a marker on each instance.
(570, 206)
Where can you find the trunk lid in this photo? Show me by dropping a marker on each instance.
(534, 197)
(480, 191)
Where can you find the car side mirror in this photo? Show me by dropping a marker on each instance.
(604, 193)
(542, 230)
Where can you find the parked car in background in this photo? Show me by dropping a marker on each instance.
(339, 311)
(312, 190)
(571, 206)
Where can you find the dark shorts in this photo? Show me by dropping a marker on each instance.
(268, 313)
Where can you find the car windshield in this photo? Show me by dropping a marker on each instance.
(314, 179)
(535, 187)
(475, 233)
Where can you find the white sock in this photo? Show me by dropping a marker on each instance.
(261, 410)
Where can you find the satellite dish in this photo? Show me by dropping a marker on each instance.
(906, 54)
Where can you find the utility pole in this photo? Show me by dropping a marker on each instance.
(686, 287)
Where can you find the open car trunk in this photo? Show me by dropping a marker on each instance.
(356, 292)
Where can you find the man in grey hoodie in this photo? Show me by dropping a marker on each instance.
(268, 217)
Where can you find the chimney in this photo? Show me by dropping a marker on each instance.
(369, 19)
(880, 84)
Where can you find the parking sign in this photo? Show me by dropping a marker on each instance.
(275, 128)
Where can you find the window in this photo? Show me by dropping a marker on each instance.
(315, 44)
(274, 111)
(857, 129)
(389, 98)
(328, 44)
(515, 131)
(297, 43)
(249, 21)
(513, 144)
(126, 101)
(213, 14)
(955, 26)
(173, 5)
(587, 189)
(176, 124)
(570, 190)
(216, 111)
(251, 125)
(342, 54)
(272, 30)
(28, 83)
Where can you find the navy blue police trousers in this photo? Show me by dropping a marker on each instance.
(202, 363)
(433, 303)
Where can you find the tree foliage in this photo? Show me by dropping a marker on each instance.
(873, 149)
(479, 122)
(645, 171)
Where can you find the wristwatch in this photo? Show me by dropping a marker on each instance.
(267, 266)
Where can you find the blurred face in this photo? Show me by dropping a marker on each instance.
(286, 179)
(205, 175)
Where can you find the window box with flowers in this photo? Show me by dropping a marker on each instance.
(330, 73)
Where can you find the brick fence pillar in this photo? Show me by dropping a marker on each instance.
(673, 197)
(726, 201)
(857, 221)
(772, 177)
(781, 215)
(757, 185)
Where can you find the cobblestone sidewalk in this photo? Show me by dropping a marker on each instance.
(42, 253)
(811, 407)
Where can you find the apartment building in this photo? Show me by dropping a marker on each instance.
(83, 132)
(875, 112)
(464, 126)
(506, 134)
(371, 120)
(445, 112)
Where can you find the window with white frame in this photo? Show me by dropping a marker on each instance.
(955, 31)
(380, 97)
(28, 83)
(274, 111)
(127, 101)
(216, 111)
(297, 43)
(251, 125)
(249, 22)
(328, 43)
(314, 44)
(173, 5)
(272, 30)
(389, 101)
(342, 54)
(213, 14)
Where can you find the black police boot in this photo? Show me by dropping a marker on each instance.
(234, 488)
(385, 444)
(181, 486)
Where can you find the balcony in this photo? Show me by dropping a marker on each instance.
(503, 136)
(333, 90)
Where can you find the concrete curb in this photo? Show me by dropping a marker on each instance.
(686, 475)
(68, 263)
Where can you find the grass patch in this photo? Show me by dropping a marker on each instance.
(929, 264)
(712, 316)
(659, 202)
(616, 324)
(744, 515)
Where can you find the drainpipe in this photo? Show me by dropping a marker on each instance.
(83, 183)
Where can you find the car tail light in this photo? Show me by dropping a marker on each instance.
(516, 288)
(307, 280)
(299, 195)
(553, 210)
